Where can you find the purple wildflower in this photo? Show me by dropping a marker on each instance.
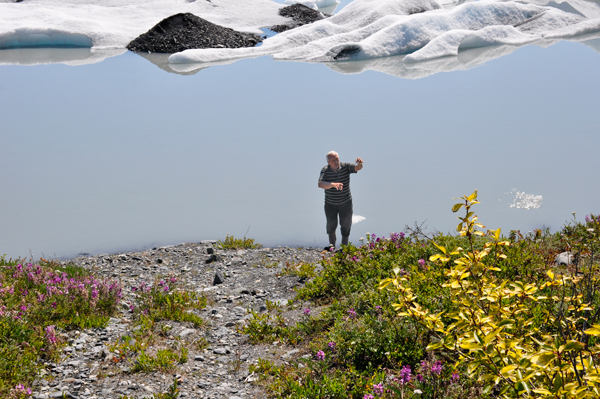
(321, 355)
(454, 376)
(331, 345)
(405, 375)
(50, 335)
(166, 288)
(306, 312)
(352, 313)
(437, 368)
(368, 396)
(421, 262)
(378, 389)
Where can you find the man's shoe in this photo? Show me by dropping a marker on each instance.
(329, 248)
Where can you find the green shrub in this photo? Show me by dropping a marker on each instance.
(520, 339)
(231, 242)
(165, 360)
(163, 300)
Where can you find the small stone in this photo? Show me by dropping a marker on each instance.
(219, 279)
(214, 258)
(210, 251)
(289, 354)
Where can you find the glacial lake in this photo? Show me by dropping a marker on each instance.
(120, 155)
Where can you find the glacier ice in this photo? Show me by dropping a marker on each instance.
(114, 23)
(420, 29)
(408, 38)
(357, 219)
(522, 200)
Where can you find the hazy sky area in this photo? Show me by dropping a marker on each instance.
(120, 155)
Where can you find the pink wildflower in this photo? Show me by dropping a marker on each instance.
(321, 355)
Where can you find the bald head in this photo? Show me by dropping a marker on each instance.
(333, 160)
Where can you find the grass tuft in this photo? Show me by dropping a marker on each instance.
(231, 242)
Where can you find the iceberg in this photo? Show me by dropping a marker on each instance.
(357, 219)
(408, 38)
(111, 24)
(421, 30)
(525, 201)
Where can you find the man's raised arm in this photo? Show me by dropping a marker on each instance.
(359, 164)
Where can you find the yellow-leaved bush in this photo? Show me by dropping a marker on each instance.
(492, 329)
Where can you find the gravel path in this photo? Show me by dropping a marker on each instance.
(219, 370)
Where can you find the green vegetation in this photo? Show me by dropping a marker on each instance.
(165, 360)
(36, 301)
(520, 336)
(237, 243)
(158, 303)
(490, 317)
(163, 301)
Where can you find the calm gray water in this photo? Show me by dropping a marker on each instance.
(120, 155)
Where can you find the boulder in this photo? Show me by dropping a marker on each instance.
(187, 31)
(300, 14)
(564, 258)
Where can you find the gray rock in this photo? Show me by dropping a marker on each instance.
(219, 279)
(220, 351)
(564, 258)
(61, 394)
(185, 332)
(288, 354)
(214, 258)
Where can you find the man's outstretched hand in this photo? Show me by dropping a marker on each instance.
(338, 186)
(359, 164)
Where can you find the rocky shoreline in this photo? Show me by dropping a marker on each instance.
(234, 281)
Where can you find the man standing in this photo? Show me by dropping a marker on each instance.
(335, 180)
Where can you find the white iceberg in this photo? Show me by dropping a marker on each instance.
(420, 29)
(103, 24)
(522, 200)
(396, 37)
(357, 219)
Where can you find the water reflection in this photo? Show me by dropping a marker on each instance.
(120, 155)
(67, 56)
(161, 60)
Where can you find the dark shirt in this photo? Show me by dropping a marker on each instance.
(334, 196)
